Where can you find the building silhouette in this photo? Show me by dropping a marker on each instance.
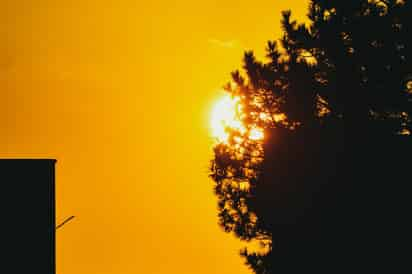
(27, 207)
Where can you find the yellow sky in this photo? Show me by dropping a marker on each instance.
(119, 92)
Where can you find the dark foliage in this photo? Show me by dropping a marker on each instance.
(327, 189)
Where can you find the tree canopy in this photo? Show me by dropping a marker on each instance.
(334, 98)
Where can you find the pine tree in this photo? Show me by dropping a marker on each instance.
(334, 99)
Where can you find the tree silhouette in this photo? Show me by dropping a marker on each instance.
(326, 189)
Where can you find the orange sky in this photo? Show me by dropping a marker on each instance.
(119, 92)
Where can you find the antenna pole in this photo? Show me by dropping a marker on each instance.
(64, 222)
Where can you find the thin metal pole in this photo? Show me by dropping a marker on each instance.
(64, 222)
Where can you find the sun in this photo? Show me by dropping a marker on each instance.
(225, 115)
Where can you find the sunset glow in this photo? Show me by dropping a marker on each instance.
(226, 115)
(121, 93)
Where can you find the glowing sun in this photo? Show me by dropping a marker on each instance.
(225, 115)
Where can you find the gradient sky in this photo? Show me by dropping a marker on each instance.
(120, 92)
